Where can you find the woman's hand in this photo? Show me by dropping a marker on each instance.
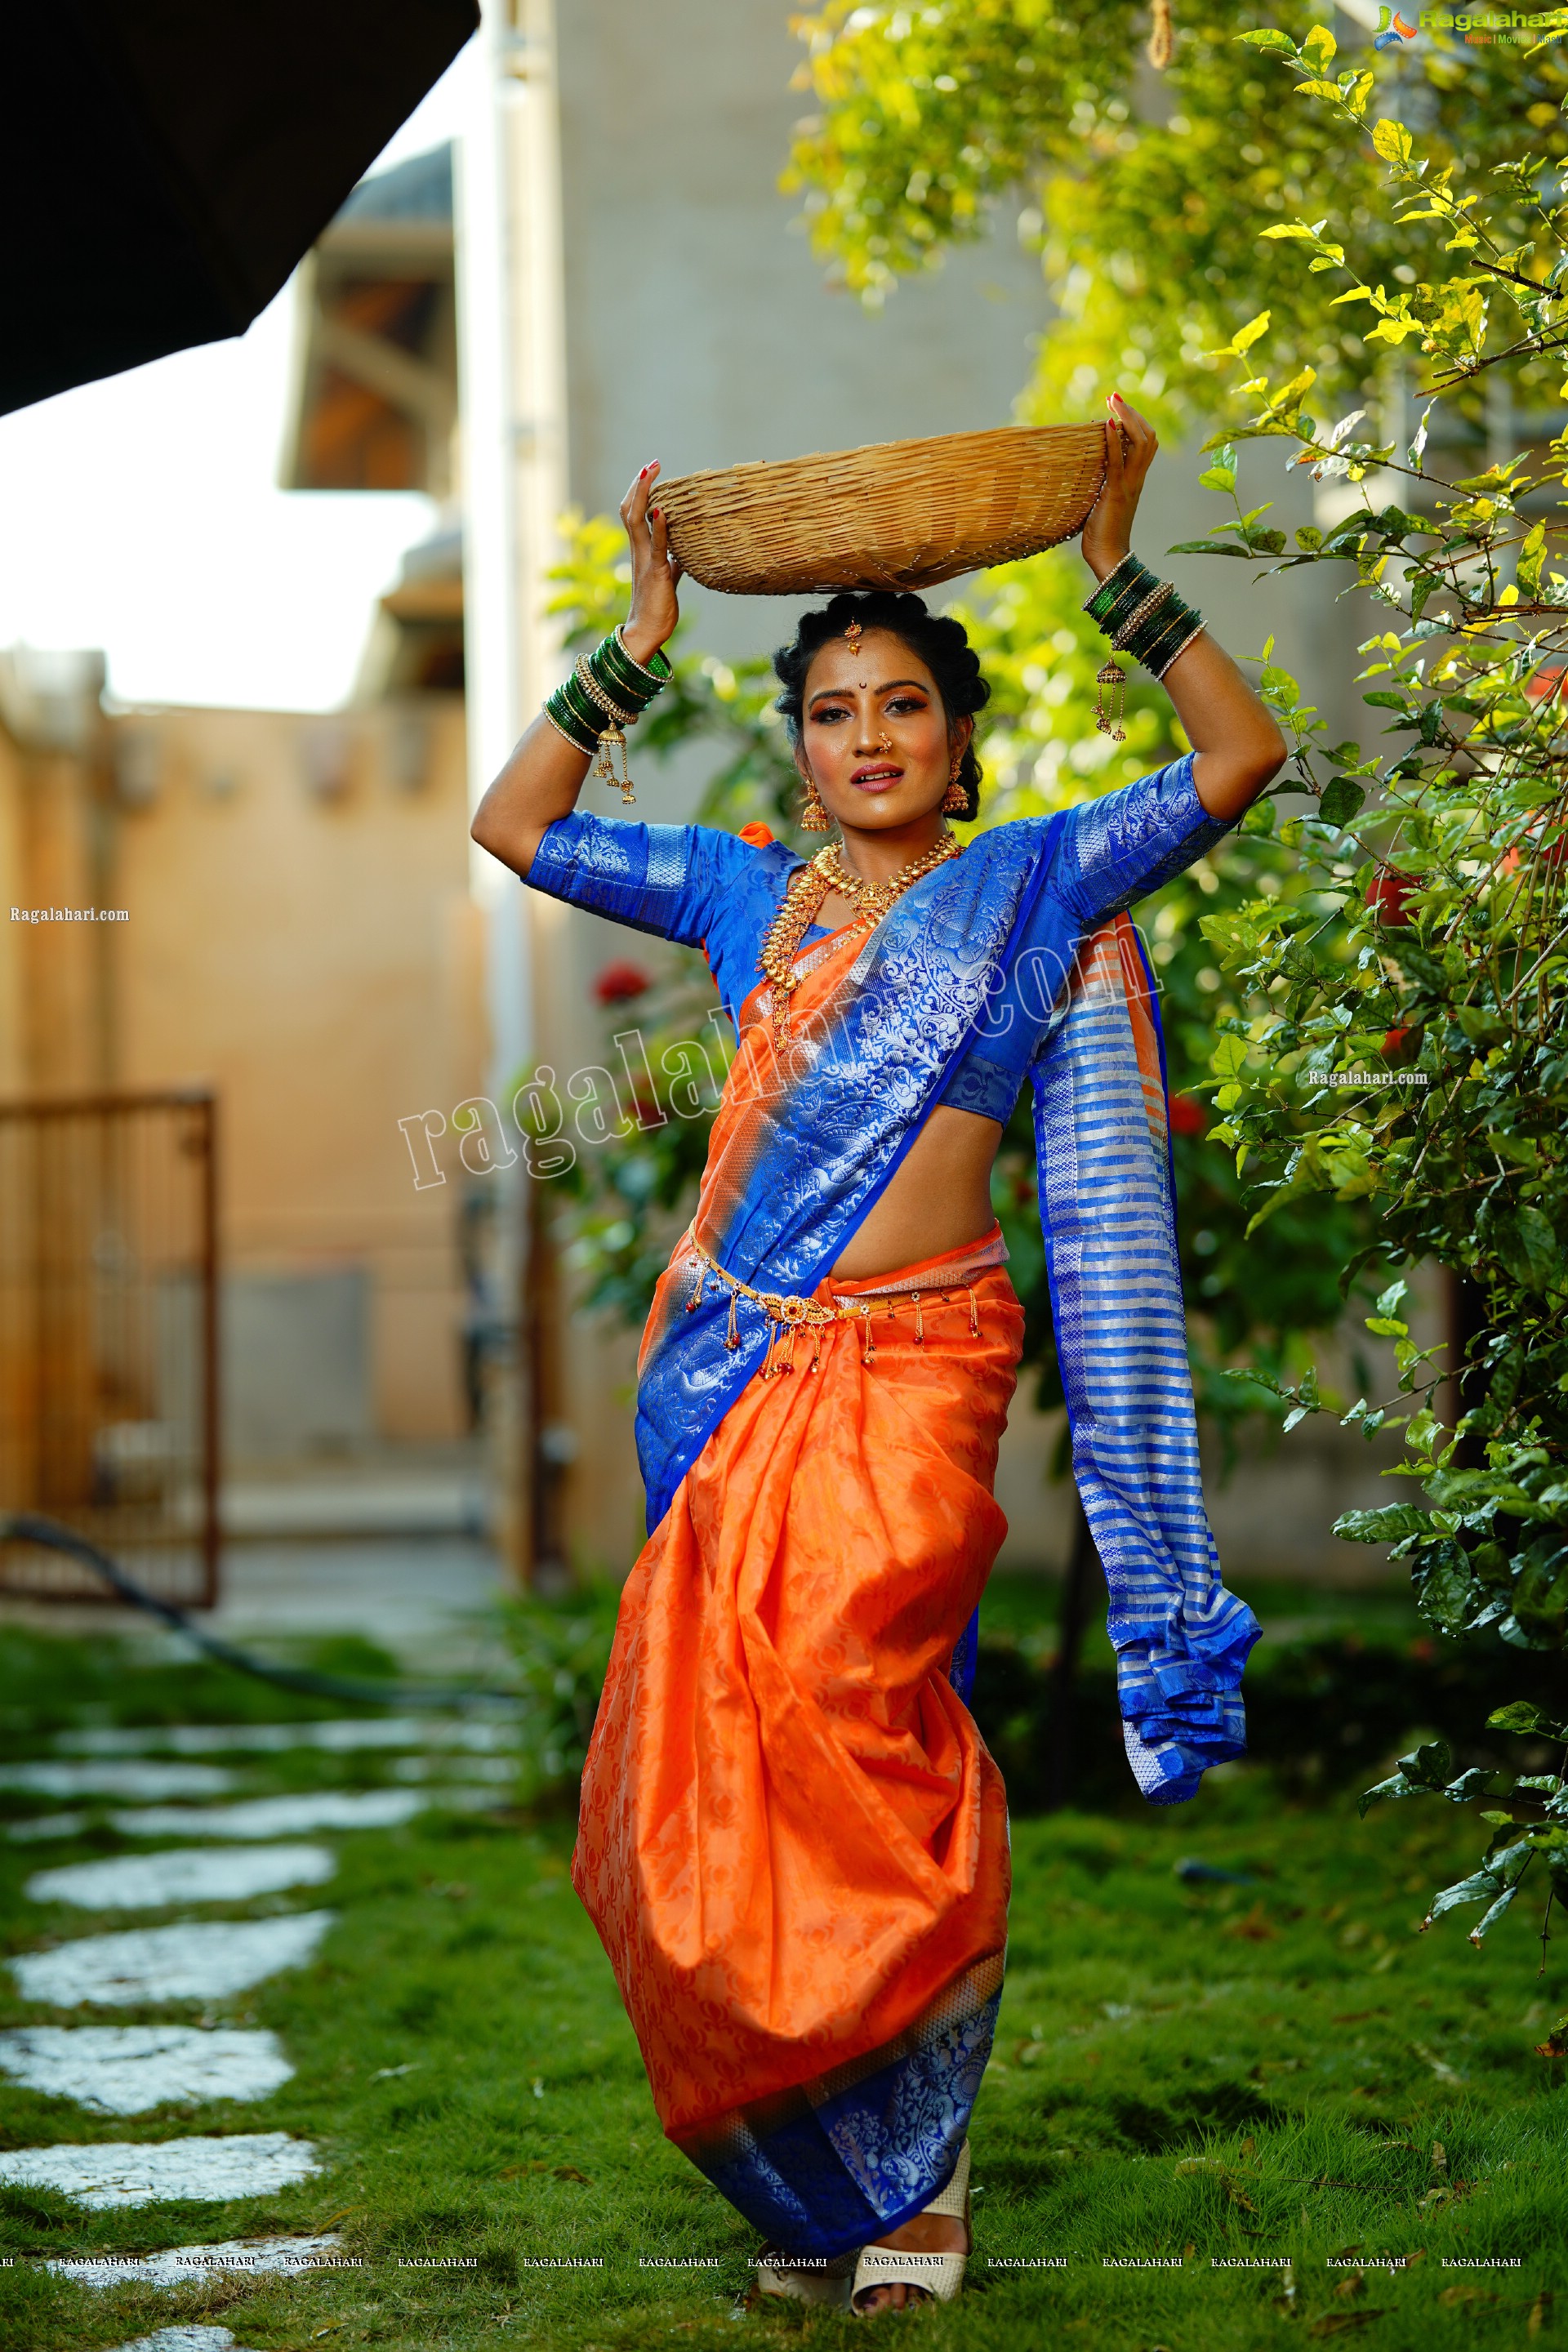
(655, 572)
(1130, 446)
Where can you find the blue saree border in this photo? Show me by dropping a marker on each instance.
(828, 2167)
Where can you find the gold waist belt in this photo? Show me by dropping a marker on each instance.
(788, 1312)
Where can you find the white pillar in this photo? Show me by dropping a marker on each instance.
(511, 382)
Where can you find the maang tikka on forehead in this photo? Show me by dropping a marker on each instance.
(852, 639)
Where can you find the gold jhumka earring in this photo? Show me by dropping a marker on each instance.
(814, 816)
(956, 799)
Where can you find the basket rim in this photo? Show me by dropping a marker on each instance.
(925, 441)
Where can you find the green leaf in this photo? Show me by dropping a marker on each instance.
(1341, 800)
(1280, 44)
(1397, 1786)
(1522, 1717)
(1527, 1244)
(1392, 142)
(1531, 555)
(1429, 1765)
(1446, 1589)
(1387, 1525)
(1319, 48)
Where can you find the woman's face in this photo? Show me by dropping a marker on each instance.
(874, 735)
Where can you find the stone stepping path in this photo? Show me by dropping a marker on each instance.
(184, 1874)
(115, 2173)
(194, 1961)
(277, 1738)
(184, 2339)
(267, 1817)
(109, 1779)
(125, 2070)
(189, 2265)
(141, 1783)
(270, 1816)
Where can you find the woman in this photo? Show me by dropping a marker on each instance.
(793, 1840)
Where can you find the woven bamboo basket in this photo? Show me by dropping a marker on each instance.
(897, 514)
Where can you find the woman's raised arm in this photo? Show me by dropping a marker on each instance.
(541, 780)
(1239, 747)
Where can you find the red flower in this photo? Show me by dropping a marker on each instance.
(619, 981)
(1386, 893)
(756, 835)
(1188, 1116)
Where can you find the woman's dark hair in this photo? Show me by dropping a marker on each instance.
(938, 642)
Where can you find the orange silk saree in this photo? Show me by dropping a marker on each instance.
(793, 1840)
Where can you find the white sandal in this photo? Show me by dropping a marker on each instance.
(939, 2277)
(820, 2279)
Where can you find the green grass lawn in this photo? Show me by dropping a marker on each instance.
(1281, 2074)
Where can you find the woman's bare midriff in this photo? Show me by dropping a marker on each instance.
(939, 1199)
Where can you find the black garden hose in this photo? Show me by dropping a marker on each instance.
(29, 1526)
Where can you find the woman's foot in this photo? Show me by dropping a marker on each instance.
(925, 2233)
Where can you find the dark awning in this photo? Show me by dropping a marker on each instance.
(166, 162)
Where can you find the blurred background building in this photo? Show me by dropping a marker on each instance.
(600, 270)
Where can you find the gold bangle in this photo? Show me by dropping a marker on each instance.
(591, 688)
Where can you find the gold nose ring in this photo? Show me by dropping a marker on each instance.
(884, 742)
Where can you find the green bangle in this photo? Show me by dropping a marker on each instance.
(1098, 602)
(622, 677)
(1137, 595)
(655, 673)
(565, 720)
(1169, 656)
(581, 709)
(1171, 617)
(1169, 622)
(1155, 651)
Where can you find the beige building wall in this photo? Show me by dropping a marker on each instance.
(13, 935)
(301, 936)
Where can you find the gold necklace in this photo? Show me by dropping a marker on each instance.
(807, 887)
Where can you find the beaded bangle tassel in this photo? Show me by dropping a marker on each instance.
(607, 692)
(1143, 616)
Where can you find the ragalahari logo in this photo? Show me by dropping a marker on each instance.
(1477, 25)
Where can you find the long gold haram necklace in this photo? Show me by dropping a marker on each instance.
(809, 885)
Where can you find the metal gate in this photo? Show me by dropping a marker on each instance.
(108, 1360)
